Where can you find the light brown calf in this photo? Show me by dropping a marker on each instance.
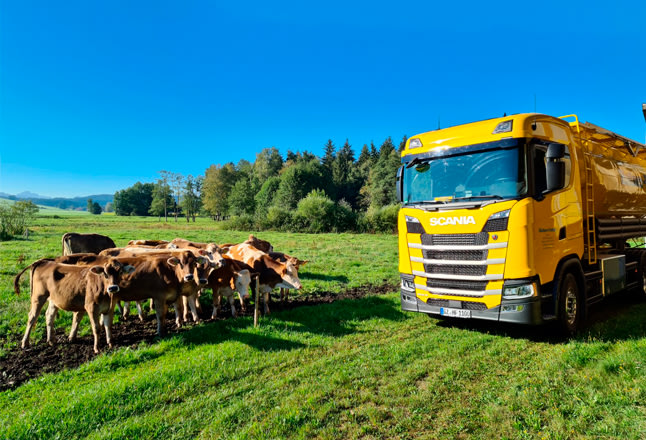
(78, 289)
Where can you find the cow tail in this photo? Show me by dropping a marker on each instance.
(16, 281)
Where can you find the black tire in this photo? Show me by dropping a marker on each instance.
(640, 291)
(570, 313)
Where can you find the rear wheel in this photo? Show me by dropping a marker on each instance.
(640, 291)
(570, 304)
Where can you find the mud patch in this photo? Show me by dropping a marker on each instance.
(19, 366)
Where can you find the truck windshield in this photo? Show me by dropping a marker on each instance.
(486, 174)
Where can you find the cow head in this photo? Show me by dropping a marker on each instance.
(202, 270)
(287, 270)
(242, 280)
(111, 272)
(214, 254)
(184, 264)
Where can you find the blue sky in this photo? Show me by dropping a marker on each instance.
(95, 96)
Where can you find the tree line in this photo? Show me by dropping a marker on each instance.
(299, 192)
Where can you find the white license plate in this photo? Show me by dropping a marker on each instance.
(455, 313)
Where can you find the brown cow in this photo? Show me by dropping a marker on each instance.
(78, 289)
(74, 243)
(164, 278)
(149, 243)
(211, 256)
(224, 281)
(256, 242)
(272, 273)
(279, 256)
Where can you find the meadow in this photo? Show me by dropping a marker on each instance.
(349, 369)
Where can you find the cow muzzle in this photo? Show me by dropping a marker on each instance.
(113, 288)
(188, 277)
(203, 281)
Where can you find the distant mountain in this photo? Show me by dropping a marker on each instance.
(30, 195)
(61, 202)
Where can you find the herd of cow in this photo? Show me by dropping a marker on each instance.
(94, 276)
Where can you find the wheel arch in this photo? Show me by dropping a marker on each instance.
(572, 264)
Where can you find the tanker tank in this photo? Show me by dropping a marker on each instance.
(618, 170)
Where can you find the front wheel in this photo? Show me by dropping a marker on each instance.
(570, 304)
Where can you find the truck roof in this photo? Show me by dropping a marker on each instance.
(534, 125)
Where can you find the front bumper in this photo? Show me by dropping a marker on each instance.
(520, 311)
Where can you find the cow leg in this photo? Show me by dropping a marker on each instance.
(192, 300)
(125, 312)
(94, 314)
(160, 313)
(50, 317)
(185, 308)
(75, 324)
(217, 298)
(37, 303)
(122, 310)
(232, 303)
(198, 306)
(140, 311)
(179, 312)
(107, 324)
(266, 301)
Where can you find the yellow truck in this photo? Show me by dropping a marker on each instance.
(526, 218)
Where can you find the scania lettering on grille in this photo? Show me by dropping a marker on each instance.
(445, 221)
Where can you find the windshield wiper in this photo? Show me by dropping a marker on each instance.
(487, 197)
(414, 162)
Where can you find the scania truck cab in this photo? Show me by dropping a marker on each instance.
(520, 219)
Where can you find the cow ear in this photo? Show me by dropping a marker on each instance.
(303, 262)
(202, 260)
(173, 261)
(202, 252)
(224, 250)
(97, 270)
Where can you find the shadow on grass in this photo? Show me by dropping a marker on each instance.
(338, 318)
(322, 277)
(617, 318)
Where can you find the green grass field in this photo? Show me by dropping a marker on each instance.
(350, 369)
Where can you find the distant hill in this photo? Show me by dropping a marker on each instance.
(61, 202)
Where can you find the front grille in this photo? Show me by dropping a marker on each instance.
(468, 305)
(455, 239)
(480, 255)
(498, 224)
(457, 284)
(456, 270)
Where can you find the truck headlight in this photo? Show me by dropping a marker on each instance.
(408, 285)
(410, 219)
(517, 292)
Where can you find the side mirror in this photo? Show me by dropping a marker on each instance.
(555, 151)
(555, 167)
(400, 186)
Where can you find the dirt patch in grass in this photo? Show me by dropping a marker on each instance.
(19, 366)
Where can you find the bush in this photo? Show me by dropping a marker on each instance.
(345, 219)
(317, 210)
(276, 218)
(243, 222)
(383, 219)
(16, 218)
